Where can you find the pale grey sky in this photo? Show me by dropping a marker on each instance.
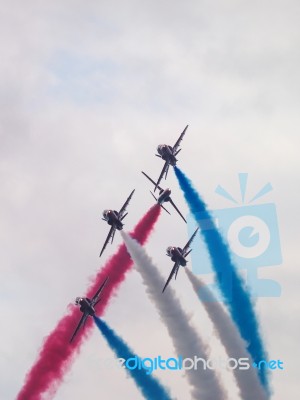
(88, 91)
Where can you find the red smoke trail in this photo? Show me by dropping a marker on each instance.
(57, 354)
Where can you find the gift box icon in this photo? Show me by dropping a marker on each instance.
(252, 234)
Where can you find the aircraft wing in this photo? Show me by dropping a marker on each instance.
(123, 209)
(110, 235)
(151, 180)
(163, 171)
(96, 296)
(173, 204)
(177, 144)
(80, 324)
(186, 247)
(174, 271)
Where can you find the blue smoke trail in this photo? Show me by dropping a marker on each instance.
(148, 385)
(235, 294)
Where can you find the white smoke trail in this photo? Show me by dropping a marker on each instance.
(247, 380)
(188, 344)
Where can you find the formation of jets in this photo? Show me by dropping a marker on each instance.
(115, 220)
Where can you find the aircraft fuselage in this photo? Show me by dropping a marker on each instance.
(112, 218)
(85, 305)
(164, 196)
(176, 255)
(166, 153)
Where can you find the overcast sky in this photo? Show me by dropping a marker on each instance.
(88, 91)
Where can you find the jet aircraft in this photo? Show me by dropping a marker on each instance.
(164, 196)
(115, 218)
(168, 153)
(178, 255)
(87, 307)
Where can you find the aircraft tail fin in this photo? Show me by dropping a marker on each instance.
(97, 301)
(165, 209)
(167, 170)
(112, 236)
(124, 216)
(188, 253)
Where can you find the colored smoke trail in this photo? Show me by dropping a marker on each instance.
(247, 380)
(188, 344)
(150, 387)
(235, 294)
(56, 354)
